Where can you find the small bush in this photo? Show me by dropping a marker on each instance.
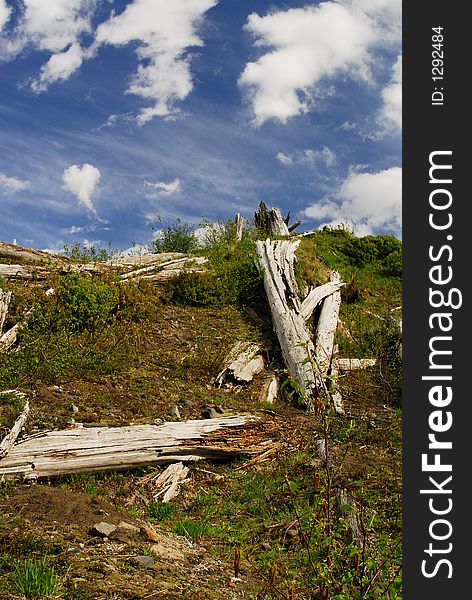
(176, 237)
(87, 252)
(34, 579)
(381, 250)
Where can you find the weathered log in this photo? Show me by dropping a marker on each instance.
(5, 298)
(317, 295)
(96, 449)
(22, 272)
(243, 362)
(270, 221)
(351, 364)
(277, 262)
(167, 269)
(8, 441)
(10, 336)
(326, 327)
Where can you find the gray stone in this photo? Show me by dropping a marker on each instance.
(103, 529)
(210, 413)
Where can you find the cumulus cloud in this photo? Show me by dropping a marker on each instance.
(58, 68)
(50, 26)
(369, 202)
(306, 45)
(82, 181)
(12, 184)
(5, 12)
(163, 32)
(160, 188)
(391, 112)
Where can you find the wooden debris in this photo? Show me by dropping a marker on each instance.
(8, 441)
(5, 298)
(243, 362)
(167, 484)
(25, 255)
(97, 449)
(351, 364)
(326, 327)
(22, 272)
(348, 508)
(270, 221)
(270, 390)
(9, 337)
(239, 227)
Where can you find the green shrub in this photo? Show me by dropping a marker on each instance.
(176, 237)
(232, 276)
(374, 249)
(83, 252)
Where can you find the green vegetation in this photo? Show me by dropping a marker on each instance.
(87, 253)
(176, 237)
(123, 352)
(35, 579)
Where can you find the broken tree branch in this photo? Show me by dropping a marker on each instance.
(243, 362)
(8, 441)
(326, 327)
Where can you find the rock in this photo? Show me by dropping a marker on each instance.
(167, 552)
(219, 409)
(75, 409)
(173, 412)
(157, 422)
(142, 561)
(150, 534)
(102, 529)
(210, 413)
(128, 527)
(187, 403)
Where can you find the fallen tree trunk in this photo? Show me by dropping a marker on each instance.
(351, 364)
(97, 449)
(5, 298)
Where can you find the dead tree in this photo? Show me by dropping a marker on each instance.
(307, 369)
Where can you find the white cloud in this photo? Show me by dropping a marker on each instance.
(163, 31)
(52, 26)
(370, 202)
(307, 45)
(391, 112)
(82, 182)
(58, 68)
(160, 188)
(285, 159)
(12, 184)
(326, 157)
(5, 12)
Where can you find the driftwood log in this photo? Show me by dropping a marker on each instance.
(7, 443)
(97, 449)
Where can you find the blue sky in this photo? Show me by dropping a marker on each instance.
(116, 113)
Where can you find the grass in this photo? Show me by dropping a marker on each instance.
(35, 579)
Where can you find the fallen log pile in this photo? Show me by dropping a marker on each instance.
(98, 449)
